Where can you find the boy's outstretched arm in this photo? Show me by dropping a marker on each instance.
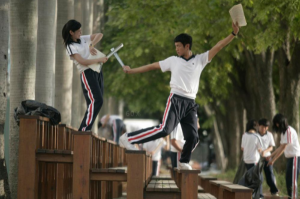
(141, 69)
(221, 44)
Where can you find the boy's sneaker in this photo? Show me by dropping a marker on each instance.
(123, 141)
(184, 166)
(275, 194)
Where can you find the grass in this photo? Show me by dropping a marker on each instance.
(280, 181)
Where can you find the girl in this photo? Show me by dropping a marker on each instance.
(289, 144)
(252, 147)
(79, 47)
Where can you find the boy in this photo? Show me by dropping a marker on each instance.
(268, 144)
(181, 107)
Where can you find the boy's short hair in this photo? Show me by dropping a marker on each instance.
(264, 122)
(251, 125)
(184, 39)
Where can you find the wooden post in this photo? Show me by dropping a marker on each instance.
(81, 164)
(28, 175)
(189, 184)
(60, 167)
(136, 174)
(215, 187)
(117, 186)
(104, 165)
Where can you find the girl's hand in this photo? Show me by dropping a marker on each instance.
(270, 163)
(126, 69)
(103, 60)
(93, 51)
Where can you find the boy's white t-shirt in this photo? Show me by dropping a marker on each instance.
(267, 140)
(177, 134)
(185, 74)
(82, 49)
(152, 145)
(110, 120)
(291, 139)
(251, 145)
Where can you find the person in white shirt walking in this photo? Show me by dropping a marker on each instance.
(177, 142)
(289, 144)
(79, 47)
(268, 144)
(116, 124)
(251, 146)
(180, 107)
(154, 148)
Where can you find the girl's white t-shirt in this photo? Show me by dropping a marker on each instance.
(251, 145)
(291, 139)
(82, 49)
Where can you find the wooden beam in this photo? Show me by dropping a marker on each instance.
(121, 177)
(55, 158)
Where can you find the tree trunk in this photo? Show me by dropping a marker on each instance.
(45, 60)
(4, 27)
(77, 94)
(219, 149)
(255, 84)
(23, 40)
(63, 64)
(234, 129)
(289, 73)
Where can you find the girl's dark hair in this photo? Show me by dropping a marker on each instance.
(282, 123)
(184, 39)
(70, 25)
(251, 125)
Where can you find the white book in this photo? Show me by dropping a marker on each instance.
(237, 15)
(97, 66)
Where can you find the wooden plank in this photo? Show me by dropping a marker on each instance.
(200, 189)
(104, 185)
(162, 195)
(189, 185)
(135, 174)
(236, 188)
(81, 166)
(205, 183)
(206, 196)
(28, 171)
(236, 195)
(55, 158)
(121, 177)
(215, 186)
(34, 117)
(54, 151)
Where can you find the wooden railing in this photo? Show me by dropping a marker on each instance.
(60, 162)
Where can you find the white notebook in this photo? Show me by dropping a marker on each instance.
(96, 67)
(237, 15)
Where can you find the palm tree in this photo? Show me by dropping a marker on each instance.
(23, 40)
(45, 59)
(63, 64)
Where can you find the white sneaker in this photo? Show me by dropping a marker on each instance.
(123, 141)
(184, 166)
